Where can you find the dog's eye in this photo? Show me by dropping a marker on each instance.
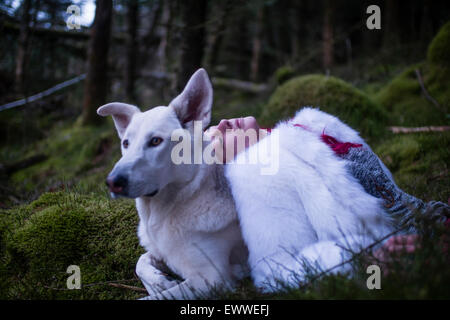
(154, 141)
(125, 143)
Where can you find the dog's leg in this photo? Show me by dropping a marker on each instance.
(190, 289)
(200, 285)
(153, 279)
(187, 290)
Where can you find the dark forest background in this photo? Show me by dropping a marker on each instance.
(153, 46)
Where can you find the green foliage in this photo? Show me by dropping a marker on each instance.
(439, 48)
(331, 95)
(283, 74)
(40, 240)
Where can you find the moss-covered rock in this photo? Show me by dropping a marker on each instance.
(419, 163)
(439, 48)
(283, 74)
(399, 152)
(406, 100)
(40, 240)
(332, 95)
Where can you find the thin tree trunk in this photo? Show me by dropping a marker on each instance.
(22, 49)
(148, 40)
(294, 21)
(162, 48)
(327, 35)
(193, 14)
(96, 84)
(219, 35)
(131, 49)
(257, 43)
(391, 31)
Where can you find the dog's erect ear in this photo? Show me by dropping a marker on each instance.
(121, 113)
(195, 102)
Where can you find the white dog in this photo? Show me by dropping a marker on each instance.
(312, 211)
(187, 214)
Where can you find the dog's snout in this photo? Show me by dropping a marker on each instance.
(117, 184)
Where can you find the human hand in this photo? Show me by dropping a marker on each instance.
(395, 246)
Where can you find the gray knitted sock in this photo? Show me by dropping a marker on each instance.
(377, 181)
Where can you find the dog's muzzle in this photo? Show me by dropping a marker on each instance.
(117, 184)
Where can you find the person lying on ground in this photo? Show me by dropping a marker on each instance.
(362, 163)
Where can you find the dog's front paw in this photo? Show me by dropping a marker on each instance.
(148, 298)
(153, 279)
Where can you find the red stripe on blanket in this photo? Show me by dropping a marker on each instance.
(337, 146)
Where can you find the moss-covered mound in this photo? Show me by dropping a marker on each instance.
(283, 74)
(404, 96)
(331, 95)
(439, 48)
(39, 241)
(71, 153)
(419, 163)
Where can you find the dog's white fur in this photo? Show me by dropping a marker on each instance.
(312, 211)
(191, 223)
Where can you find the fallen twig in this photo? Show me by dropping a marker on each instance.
(22, 164)
(124, 286)
(425, 92)
(216, 81)
(43, 94)
(419, 129)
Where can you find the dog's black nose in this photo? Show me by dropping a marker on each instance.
(117, 184)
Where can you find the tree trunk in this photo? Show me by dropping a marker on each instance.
(192, 45)
(391, 29)
(22, 48)
(327, 35)
(256, 45)
(131, 49)
(161, 52)
(294, 15)
(219, 35)
(96, 84)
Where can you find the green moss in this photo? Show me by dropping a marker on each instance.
(439, 48)
(406, 100)
(52, 238)
(331, 95)
(419, 163)
(283, 74)
(400, 152)
(59, 229)
(71, 152)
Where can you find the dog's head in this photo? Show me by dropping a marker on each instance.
(146, 166)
